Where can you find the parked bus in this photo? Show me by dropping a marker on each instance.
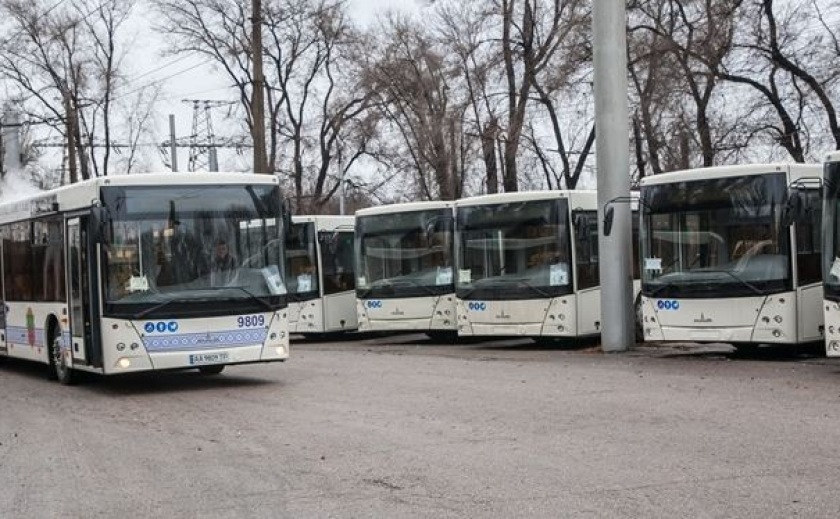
(145, 272)
(732, 254)
(404, 276)
(831, 253)
(527, 265)
(321, 283)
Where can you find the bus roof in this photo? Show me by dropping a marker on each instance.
(406, 207)
(796, 171)
(327, 222)
(82, 194)
(586, 199)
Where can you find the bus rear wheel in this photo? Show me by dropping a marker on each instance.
(211, 370)
(59, 370)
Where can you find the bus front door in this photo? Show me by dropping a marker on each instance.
(80, 264)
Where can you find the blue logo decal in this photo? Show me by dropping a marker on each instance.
(478, 306)
(668, 304)
(172, 326)
(374, 303)
(161, 326)
(150, 327)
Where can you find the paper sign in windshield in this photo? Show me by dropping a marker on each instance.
(654, 264)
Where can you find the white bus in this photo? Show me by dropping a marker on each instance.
(527, 265)
(404, 269)
(145, 272)
(831, 253)
(732, 254)
(319, 267)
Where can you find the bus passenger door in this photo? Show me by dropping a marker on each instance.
(78, 290)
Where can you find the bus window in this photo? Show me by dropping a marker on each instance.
(337, 261)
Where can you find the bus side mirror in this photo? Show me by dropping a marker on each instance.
(609, 216)
(793, 210)
(100, 224)
(581, 226)
(287, 216)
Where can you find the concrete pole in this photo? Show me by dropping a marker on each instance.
(11, 140)
(341, 187)
(612, 138)
(257, 97)
(173, 149)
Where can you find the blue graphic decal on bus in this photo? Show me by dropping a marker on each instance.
(668, 304)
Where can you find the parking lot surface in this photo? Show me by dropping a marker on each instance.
(404, 427)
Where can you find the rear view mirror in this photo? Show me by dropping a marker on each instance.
(581, 223)
(792, 212)
(609, 216)
(100, 224)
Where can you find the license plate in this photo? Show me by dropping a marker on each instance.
(209, 358)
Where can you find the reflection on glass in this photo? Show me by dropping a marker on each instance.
(716, 237)
(302, 261)
(514, 250)
(831, 247)
(409, 251)
(192, 243)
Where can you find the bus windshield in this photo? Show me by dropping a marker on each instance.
(302, 262)
(719, 237)
(831, 248)
(405, 254)
(517, 250)
(184, 249)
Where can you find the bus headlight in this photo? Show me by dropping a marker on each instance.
(778, 318)
(120, 346)
(134, 345)
(124, 363)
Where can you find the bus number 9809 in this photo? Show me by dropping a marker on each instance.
(250, 321)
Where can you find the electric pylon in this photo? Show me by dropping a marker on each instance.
(202, 139)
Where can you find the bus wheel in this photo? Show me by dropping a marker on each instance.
(59, 370)
(211, 370)
(640, 325)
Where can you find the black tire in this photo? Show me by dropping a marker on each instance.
(640, 325)
(215, 369)
(746, 348)
(59, 369)
(446, 337)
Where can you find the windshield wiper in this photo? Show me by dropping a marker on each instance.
(257, 298)
(737, 278)
(143, 313)
(406, 282)
(661, 287)
(147, 311)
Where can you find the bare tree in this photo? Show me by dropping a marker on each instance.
(308, 45)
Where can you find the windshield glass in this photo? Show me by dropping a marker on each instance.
(302, 262)
(516, 250)
(192, 244)
(831, 246)
(715, 238)
(404, 254)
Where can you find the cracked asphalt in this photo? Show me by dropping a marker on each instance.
(402, 427)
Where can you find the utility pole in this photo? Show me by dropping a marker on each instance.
(173, 147)
(257, 98)
(341, 189)
(11, 140)
(69, 120)
(609, 18)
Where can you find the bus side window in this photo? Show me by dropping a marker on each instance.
(808, 248)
